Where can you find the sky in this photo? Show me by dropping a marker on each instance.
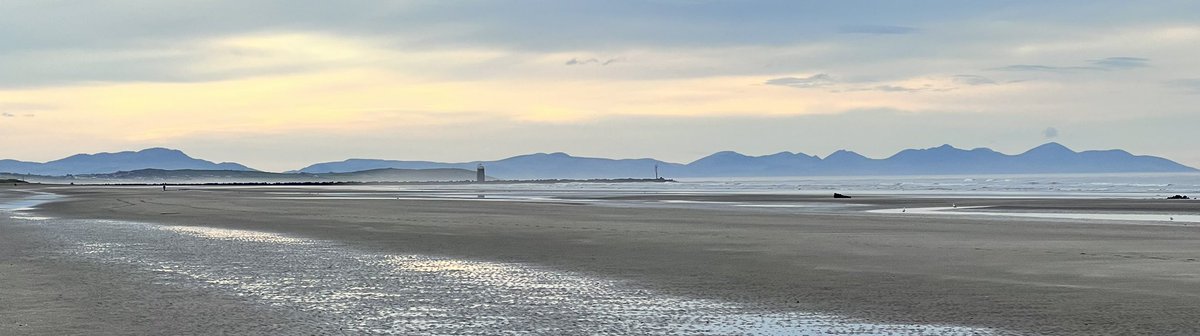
(278, 85)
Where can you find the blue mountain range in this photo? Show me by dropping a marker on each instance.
(100, 163)
(942, 160)
(1048, 158)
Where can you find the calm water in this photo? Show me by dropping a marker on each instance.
(1182, 218)
(1053, 185)
(1130, 186)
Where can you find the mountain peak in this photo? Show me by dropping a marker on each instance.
(1054, 146)
(159, 149)
(1050, 148)
(843, 154)
(727, 153)
(104, 162)
(720, 158)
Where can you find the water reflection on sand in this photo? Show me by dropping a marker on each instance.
(1162, 218)
(364, 292)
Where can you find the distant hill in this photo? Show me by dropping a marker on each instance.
(524, 167)
(245, 176)
(166, 164)
(100, 163)
(1048, 158)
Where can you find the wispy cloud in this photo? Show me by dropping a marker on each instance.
(1046, 68)
(1187, 85)
(896, 88)
(814, 81)
(903, 88)
(973, 80)
(916, 84)
(877, 30)
(1103, 64)
(591, 61)
(1121, 62)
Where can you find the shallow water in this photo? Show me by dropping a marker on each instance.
(26, 202)
(410, 294)
(494, 197)
(983, 185)
(959, 211)
(1152, 185)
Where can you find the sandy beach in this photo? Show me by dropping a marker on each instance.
(1017, 275)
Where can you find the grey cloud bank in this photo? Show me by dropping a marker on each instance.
(120, 43)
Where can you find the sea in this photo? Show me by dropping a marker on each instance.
(1030, 185)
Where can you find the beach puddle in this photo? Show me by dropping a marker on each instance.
(967, 211)
(235, 235)
(797, 205)
(801, 206)
(26, 202)
(698, 202)
(472, 197)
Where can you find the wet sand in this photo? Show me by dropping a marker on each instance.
(43, 292)
(1024, 275)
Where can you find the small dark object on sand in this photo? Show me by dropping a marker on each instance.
(1178, 197)
(837, 195)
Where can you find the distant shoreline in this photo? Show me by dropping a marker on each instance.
(324, 183)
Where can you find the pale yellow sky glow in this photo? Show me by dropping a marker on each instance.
(344, 86)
